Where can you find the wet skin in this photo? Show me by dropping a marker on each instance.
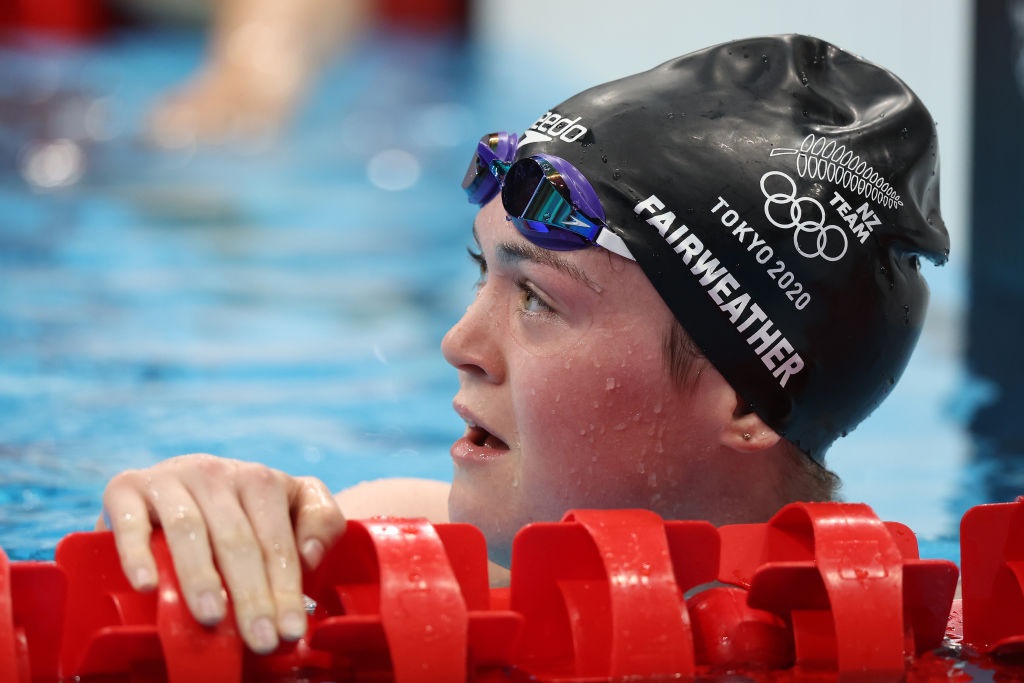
(564, 387)
(568, 403)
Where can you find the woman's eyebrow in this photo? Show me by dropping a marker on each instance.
(510, 253)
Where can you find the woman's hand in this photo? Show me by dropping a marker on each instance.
(230, 525)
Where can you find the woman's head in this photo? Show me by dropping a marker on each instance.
(765, 200)
(778, 193)
(569, 403)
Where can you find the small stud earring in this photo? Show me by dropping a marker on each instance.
(746, 436)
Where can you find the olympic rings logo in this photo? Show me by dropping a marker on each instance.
(811, 237)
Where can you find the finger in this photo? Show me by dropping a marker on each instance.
(126, 513)
(318, 520)
(265, 501)
(239, 556)
(180, 515)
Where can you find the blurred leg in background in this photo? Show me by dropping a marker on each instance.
(261, 56)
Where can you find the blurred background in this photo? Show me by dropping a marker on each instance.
(236, 227)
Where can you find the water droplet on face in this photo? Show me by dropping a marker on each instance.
(604, 158)
(609, 383)
(616, 174)
(803, 78)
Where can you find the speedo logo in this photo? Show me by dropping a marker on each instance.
(553, 125)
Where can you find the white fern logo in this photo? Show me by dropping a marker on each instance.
(822, 159)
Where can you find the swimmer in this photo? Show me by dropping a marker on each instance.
(693, 280)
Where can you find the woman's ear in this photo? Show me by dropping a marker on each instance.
(747, 432)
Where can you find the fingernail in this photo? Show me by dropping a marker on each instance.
(143, 579)
(209, 608)
(313, 552)
(293, 625)
(264, 635)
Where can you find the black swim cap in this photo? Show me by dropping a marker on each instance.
(778, 192)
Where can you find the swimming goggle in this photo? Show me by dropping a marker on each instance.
(548, 200)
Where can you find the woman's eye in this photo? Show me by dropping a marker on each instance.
(531, 301)
(481, 263)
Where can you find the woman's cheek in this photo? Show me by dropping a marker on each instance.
(545, 335)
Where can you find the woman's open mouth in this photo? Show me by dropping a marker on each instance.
(478, 445)
(481, 437)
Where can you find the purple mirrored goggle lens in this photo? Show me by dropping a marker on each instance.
(533, 193)
(480, 182)
(548, 200)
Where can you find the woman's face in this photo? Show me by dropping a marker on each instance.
(565, 390)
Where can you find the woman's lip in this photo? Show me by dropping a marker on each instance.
(477, 444)
(475, 428)
(465, 450)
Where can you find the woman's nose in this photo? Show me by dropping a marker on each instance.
(472, 345)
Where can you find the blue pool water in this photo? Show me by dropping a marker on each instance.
(285, 304)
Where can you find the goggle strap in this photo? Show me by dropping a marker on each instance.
(612, 242)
